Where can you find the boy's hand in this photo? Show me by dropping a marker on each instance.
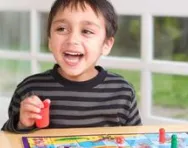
(29, 111)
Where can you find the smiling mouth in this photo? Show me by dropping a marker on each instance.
(73, 54)
(73, 58)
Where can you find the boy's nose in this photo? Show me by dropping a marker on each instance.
(74, 38)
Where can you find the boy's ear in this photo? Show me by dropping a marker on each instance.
(107, 46)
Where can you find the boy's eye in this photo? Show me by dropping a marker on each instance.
(87, 32)
(60, 29)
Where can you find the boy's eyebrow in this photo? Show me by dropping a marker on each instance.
(84, 22)
(91, 23)
(59, 21)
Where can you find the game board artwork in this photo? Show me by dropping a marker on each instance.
(106, 141)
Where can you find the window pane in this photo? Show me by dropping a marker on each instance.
(46, 66)
(12, 72)
(15, 30)
(127, 40)
(170, 96)
(171, 36)
(133, 77)
(43, 32)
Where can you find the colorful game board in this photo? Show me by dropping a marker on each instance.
(106, 141)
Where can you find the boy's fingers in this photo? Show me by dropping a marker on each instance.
(30, 108)
(34, 100)
(37, 101)
(34, 116)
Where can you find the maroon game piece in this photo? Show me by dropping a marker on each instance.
(162, 138)
(44, 122)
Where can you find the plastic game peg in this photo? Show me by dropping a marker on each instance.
(44, 121)
(46, 103)
(162, 138)
(120, 140)
(174, 141)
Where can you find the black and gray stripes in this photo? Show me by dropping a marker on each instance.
(106, 100)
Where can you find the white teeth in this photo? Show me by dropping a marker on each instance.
(73, 53)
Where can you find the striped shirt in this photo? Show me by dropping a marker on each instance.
(105, 100)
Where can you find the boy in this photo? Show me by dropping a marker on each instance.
(81, 94)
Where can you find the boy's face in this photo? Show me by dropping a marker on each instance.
(78, 39)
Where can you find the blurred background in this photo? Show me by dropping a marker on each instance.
(150, 51)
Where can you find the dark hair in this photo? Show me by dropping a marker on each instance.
(103, 7)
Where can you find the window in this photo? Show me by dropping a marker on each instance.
(14, 30)
(171, 36)
(43, 32)
(150, 52)
(170, 96)
(12, 72)
(127, 39)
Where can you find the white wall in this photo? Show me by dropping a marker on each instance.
(155, 7)
(25, 4)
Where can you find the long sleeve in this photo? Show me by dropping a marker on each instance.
(13, 112)
(134, 116)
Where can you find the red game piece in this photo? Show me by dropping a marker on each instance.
(44, 122)
(46, 103)
(120, 140)
(162, 138)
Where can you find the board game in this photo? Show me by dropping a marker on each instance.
(106, 141)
